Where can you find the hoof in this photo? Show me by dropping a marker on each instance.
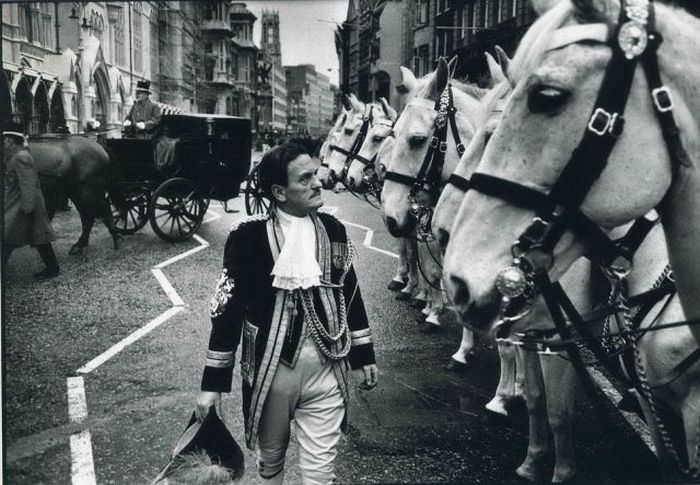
(75, 250)
(418, 304)
(566, 476)
(401, 296)
(395, 285)
(497, 405)
(453, 365)
(528, 473)
(425, 311)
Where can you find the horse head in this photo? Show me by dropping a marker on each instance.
(324, 172)
(430, 136)
(350, 134)
(557, 74)
(458, 183)
(362, 168)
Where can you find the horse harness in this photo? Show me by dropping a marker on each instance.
(429, 177)
(352, 154)
(635, 40)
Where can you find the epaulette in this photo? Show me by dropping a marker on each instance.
(247, 220)
(330, 215)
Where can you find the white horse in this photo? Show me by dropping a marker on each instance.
(557, 73)
(330, 139)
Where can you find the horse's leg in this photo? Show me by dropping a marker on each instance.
(506, 383)
(519, 385)
(413, 280)
(398, 282)
(87, 220)
(109, 222)
(560, 385)
(691, 424)
(538, 434)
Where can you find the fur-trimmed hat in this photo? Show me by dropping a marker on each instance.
(14, 129)
(143, 87)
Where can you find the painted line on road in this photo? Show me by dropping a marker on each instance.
(368, 239)
(82, 461)
(82, 464)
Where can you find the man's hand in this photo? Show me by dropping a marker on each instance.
(126, 124)
(205, 400)
(141, 125)
(371, 373)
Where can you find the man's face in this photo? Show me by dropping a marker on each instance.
(8, 142)
(141, 96)
(303, 191)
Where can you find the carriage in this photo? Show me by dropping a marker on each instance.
(169, 180)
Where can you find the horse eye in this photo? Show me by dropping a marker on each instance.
(546, 99)
(377, 138)
(417, 141)
(349, 131)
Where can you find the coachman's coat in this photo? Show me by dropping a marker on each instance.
(245, 303)
(26, 219)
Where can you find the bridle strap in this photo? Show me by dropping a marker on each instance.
(459, 182)
(352, 154)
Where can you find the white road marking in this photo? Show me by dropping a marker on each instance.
(82, 466)
(82, 462)
(77, 404)
(368, 239)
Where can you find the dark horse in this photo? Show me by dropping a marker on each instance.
(75, 166)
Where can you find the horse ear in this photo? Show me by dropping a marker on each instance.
(542, 6)
(440, 79)
(503, 59)
(452, 66)
(596, 10)
(494, 69)
(346, 102)
(388, 110)
(408, 80)
(356, 104)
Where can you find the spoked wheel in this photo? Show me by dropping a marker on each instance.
(255, 201)
(130, 211)
(176, 210)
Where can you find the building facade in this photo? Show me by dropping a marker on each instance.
(272, 100)
(310, 100)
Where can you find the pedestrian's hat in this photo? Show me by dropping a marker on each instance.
(205, 453)
(143, 86)
(14, 129)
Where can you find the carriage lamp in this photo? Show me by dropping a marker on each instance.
(511, 282)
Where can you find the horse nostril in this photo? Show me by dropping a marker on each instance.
(460, 290)
(392, 225)
(352, 181)
(443, 237)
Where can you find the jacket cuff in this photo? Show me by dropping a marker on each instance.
(217, 379)
(361, 348)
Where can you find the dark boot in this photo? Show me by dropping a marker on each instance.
(49, 259)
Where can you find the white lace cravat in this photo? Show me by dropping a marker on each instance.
(296, 266)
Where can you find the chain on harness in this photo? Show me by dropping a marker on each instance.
(429, 177)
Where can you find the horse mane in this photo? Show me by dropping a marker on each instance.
(470, 88)
(536, 40)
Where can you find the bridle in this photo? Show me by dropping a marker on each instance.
(635, 41)
(352, 153)
(429, 177)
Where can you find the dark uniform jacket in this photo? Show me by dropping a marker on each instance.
(245, 303)
(147, 112)
(26, 219)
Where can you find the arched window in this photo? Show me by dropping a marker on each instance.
(138, 37)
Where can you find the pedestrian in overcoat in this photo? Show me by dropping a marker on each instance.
(289, 288)
(26, 219)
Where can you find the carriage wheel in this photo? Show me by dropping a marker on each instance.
(176, 210)
(130, 213)
(255, 201)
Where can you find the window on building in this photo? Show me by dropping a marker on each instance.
(514, 10)
(47, 32)
(26, 25)
(422, 11)
(138, 37)
(119, 52)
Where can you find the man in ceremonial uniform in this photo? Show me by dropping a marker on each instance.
(144, 116)
(288, 287)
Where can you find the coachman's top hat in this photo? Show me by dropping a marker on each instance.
(143, 87)
(14, 129)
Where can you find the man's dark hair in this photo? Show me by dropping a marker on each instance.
(273, 166)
